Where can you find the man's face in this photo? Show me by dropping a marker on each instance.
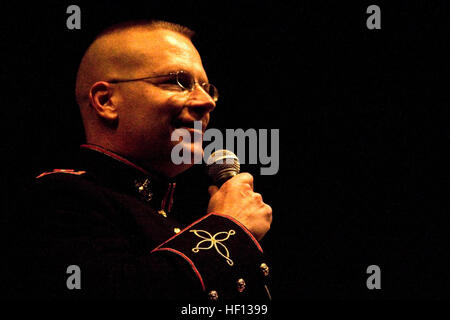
(149, 111)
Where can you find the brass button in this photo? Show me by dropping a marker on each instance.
(143, 187)
(176, 230)
(240, 285)
(264, 269)
(163, 213)
(213, 295)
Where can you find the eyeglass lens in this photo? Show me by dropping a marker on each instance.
(186, 81)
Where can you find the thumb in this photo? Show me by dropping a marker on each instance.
(212, 190)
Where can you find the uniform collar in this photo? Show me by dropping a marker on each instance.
(125, 175)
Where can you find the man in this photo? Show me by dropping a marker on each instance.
(104, 229)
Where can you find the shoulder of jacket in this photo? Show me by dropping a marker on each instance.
(61, 171)
(64, 179)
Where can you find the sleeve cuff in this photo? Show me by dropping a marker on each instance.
(222, 253)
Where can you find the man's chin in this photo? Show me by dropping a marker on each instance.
(184, 156)
(191, 153)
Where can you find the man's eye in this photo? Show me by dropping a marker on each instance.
(171, 81)
(169, 84)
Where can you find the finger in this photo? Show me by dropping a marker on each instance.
(269, 212)
(212, 190)
(258, 197)
(247, 178)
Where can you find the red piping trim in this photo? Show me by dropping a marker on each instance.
(70, 171)
(221, 215)
(188, 260)
(188, 227)
(115, 156)
(164, 199)
(171, 197)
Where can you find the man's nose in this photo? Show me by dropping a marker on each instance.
(200, 102)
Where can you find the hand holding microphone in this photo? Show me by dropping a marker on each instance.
(233, 194)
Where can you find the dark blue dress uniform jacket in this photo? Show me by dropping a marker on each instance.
(109, 217)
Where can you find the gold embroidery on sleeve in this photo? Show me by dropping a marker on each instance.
(215, 241)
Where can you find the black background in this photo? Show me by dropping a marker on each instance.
(363, 118)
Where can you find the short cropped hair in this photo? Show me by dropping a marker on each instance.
(80, 90)
(149, 25)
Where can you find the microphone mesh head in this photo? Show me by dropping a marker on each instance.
(222, 165)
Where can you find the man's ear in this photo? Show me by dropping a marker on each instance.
(100, 99)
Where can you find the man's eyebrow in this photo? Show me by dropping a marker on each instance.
(167, 71)
(164, 72)
(160, 75)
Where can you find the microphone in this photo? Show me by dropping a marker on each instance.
(221, 166)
